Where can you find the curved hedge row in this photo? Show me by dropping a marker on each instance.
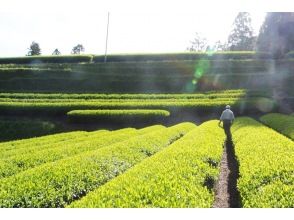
(211, 94)
(266, 165)
(38, 141)
(135, 57)
(34, 146)
(183, 56)
(282, 123)
(47, 59)
(44, 186)
(16, 162)
(179, 176)
(117, 115)
(240, 105)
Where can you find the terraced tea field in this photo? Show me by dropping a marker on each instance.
(156, 166)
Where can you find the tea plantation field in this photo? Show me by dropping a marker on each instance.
(155, 166)
(142, 130)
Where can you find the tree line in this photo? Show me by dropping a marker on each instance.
(276, 35)
(35, 49)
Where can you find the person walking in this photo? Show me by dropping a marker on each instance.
(227, 117)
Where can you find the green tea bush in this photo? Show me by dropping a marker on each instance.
(266, 165)
(280, 122)
(47, 59)
(183, 56)
(117, 115)
(180, 176)
(38, 141)
(19, 160)
(59, 183)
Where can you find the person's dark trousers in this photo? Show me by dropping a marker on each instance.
(227, 127)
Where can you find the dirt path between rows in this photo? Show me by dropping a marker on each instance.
(226, 192)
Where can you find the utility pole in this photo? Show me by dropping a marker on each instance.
(105, 57)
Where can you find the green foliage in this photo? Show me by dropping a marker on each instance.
(241, 37)
(29, 103)
(276, 34)
(16, 161)
(209, 95)
(117, 115)
(182, 56)
(282, 123)
(175, 177)
(135, 57)
(38, 141)
(78, 49)
(266, 165)
(46, 59)
(198, 44)
(143, 77)
(44, 186)
(34, 49)
(24, 128)
(55, 108)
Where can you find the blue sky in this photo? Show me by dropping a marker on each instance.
(135, 26)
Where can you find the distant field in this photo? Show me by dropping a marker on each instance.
(177, 73)
(60, 104)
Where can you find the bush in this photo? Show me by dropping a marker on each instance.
(32, 156)
(266, 165)
(47, 59)
(117, 115)
(282, 123)
(176, 177)
(183, 56)
(58, 184)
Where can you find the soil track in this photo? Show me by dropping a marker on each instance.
(226, 192)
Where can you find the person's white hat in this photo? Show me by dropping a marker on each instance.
(228, 107)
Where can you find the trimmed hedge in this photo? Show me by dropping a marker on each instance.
(183, 56)
(60, 108)
(38, 141)
(180, 176)
(122, 115)
(266, 165)
(210, 94)
(135, 57)
(17, 161)
(58, 184)
(145, 77)
(47, 59)
(280, 122)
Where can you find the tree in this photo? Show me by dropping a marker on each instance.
(276, 34)
(241, 37)
(56, 52)
(34, 49)
(78, 49)
(198, 44)
(219, 46)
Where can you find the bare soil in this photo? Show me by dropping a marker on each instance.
(226, 192)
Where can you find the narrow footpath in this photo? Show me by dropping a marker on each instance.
(226, 192)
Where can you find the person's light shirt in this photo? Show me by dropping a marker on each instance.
(227, 115)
